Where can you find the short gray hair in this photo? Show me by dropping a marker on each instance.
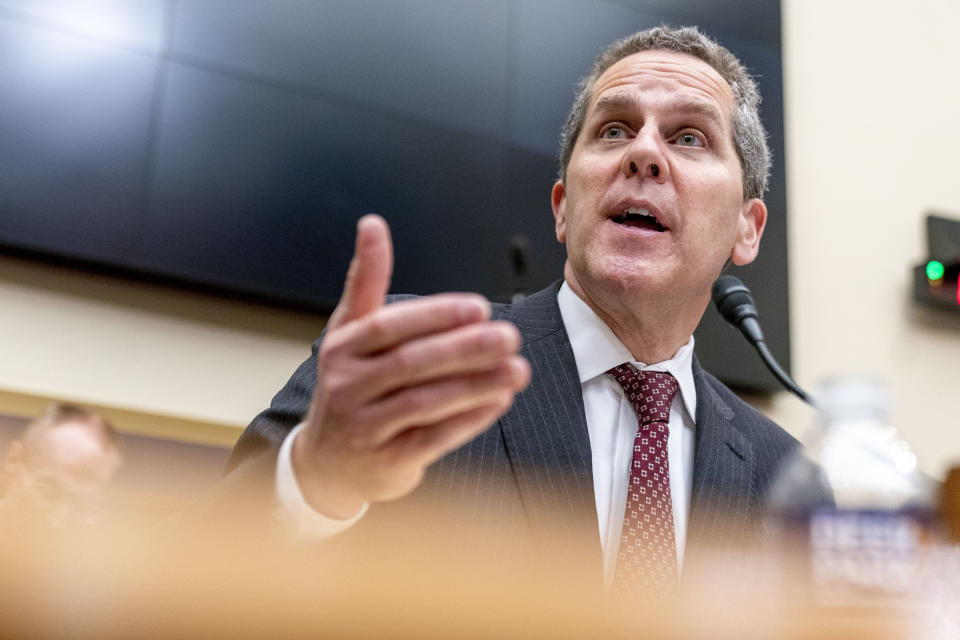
(749, 136)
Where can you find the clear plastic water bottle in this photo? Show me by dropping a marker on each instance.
(851, 514)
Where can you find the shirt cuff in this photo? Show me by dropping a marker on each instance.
(298, 516)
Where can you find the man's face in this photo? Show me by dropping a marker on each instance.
(657, 140)
(62, 478)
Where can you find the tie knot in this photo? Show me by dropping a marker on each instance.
(650, 392)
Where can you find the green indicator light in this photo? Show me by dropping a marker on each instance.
(934, 270)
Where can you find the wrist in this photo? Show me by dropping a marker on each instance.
(321, 489)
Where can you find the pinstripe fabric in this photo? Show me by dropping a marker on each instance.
(545, 433)
(535, 464)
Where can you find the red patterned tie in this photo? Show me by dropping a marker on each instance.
(647, 562)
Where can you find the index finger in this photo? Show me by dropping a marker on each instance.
(400, 322)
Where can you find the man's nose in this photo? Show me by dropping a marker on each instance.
(645, 158)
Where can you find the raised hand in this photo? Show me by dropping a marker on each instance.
(400, 385)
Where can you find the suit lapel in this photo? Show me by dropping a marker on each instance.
(545, 432)
(547, 443)
(723, 469)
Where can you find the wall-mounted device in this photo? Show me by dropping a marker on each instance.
(937, 281)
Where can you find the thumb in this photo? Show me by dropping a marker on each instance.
(368, 278)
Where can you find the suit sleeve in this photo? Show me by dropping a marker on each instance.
(287, 409)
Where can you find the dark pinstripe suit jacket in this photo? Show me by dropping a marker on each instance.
(536, 461)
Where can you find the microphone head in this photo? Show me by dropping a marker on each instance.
(733, 299)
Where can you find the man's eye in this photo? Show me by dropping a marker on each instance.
(689, 140)
(613, 132)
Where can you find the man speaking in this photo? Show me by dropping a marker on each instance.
(585, 400)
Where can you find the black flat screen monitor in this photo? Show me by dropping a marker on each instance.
(233, 145)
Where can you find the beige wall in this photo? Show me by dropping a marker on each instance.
(101, 341)
(872, 108)
(872, 139)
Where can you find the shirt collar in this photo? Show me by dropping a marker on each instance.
(596, 349)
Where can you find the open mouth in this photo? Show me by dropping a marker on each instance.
(639, 218)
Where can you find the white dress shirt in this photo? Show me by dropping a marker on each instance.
(611, 422)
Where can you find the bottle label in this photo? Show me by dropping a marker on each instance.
(860, 555)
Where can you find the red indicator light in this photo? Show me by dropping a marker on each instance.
(958, 291)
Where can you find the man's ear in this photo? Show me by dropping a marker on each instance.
(750, 225)
(558, 200)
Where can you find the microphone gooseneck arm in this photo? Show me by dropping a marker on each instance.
(735, 304)
(780, 374)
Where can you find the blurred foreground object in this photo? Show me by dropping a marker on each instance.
(437, 574)
(942, 591)
(867, 554)
(213, 580)
(57, 471)
(950, 505)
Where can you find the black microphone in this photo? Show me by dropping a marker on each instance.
(735, 304)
